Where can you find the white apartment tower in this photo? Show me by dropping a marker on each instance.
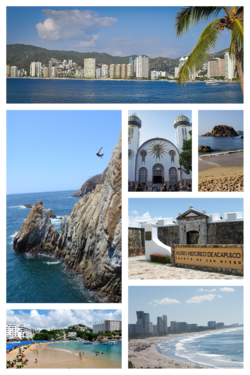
(13, 71)
(229, 66)
(142, 67)
(89, 68)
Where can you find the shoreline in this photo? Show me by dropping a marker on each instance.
(112, 79)
(50, 357)
(220, 153)
(150, 357)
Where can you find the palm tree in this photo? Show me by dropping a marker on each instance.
(232, 20)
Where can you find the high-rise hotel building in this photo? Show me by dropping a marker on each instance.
(89, 68)
(142, 67)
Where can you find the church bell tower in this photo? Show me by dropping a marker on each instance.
(134, 125)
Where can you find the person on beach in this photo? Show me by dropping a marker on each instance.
(35, 361)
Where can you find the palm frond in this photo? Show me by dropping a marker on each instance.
(240, 11)
(237, 36)
(190, 16)
(207, 40)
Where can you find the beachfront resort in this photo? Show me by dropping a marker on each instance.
(77, 346)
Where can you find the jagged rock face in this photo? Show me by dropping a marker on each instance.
(90, 239)
(37, 233)
(90, 184)
(221, 131)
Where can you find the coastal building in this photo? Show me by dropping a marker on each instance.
(105, 71)
(123, 71)
(112, 71)
(45, 72)
(130, 72)
(220, 325)
(98, 72)
(216, 68)
(18, 330)
(178, 326)
(211, 324)
(143, 324)
(133, 61)
(107, 326)
(13, 71)
(156, 160)
(118, 71)
(176, 72)
(70, 63)
(154, 74)
(72, 334)
(89, 68)
(36, 69)
(8, 70)
(230, 66)
(53, 72)
(142, 67)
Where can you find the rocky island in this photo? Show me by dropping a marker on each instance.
(221, 131)
(90, 238)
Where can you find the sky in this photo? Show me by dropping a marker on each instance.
(56, 150)
(155, 208)
(191, 304)
(208, 119)
(59, 319)
(159, 124)
(119, 31)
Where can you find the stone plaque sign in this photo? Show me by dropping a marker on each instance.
(148, 236)
(218, 257)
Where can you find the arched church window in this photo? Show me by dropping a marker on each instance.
(130, 135)
(130, 153)
(143, 175)
(173, 177)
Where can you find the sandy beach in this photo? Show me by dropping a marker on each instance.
(55, 358)
(143, 354)
(221, 172)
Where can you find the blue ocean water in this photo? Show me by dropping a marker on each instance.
(217, 349)
(40, 279)
(24, 90)
(111, 353)
(221, 144)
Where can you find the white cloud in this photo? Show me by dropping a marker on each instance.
(219, 296)
(200, 299)
(206, 290)
(164, 301)
(61, 318)
(72, 24)
(134, 212)
(89, 43)
(227, 289)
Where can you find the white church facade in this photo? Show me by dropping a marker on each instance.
(156, 161)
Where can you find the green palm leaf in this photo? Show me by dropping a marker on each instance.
(190, 16)
(207, 40)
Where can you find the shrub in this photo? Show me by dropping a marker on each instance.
(160, 258)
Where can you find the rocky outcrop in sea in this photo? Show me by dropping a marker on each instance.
(90, 238)
(221, 131)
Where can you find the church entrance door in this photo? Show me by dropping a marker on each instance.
(143, 175)
(193, 237)
(158, 174)
(173, 178)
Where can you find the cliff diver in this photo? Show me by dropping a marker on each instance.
(100, 155)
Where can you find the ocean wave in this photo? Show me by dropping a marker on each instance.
(20, 206)
(13, 235)
(57, 262)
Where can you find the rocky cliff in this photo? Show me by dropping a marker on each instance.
(90, 184)
(90, 239)
(221, 131)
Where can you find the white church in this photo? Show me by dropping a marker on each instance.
(156, 160)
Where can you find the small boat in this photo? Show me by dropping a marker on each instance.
(211, 82)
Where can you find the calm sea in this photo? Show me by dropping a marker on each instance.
(111, 353)
(221, 144)
(218, 349)
(23, 90)
(40, 279)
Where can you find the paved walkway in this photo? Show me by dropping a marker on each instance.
(140, 269)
